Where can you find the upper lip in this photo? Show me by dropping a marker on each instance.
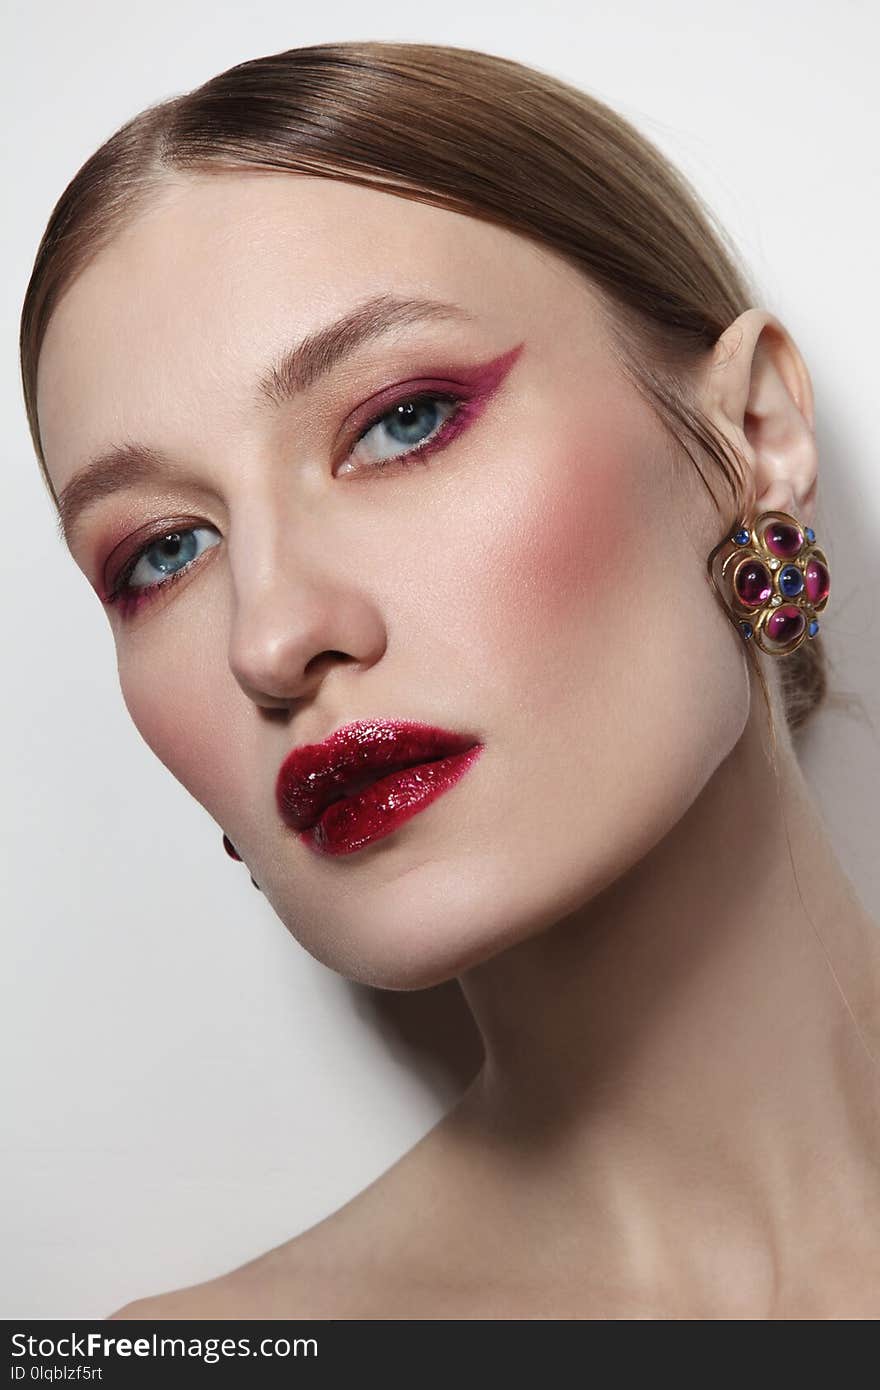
(317, 774)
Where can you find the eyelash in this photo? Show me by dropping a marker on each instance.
(129, 599)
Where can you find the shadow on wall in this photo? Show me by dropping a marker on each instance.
(431, 1030)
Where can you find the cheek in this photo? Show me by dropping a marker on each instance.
(178, 713)
(582, 602)
(556, 558)
(561, 544)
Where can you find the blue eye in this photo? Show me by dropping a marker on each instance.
(413, 423)
(170, 553)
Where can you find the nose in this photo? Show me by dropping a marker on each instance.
(297, 614)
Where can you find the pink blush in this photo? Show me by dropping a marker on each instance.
(574, 534)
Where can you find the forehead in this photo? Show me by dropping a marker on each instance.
(176, 317)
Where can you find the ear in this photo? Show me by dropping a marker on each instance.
(758, 392)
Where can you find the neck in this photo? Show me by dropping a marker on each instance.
(688, 1067)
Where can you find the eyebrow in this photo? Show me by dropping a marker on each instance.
(299, 366)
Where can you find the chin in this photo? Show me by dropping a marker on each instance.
(438, 919)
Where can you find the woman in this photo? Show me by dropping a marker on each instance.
(405, 411)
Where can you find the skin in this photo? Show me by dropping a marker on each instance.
(677, 1116)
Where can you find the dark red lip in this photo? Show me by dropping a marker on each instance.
(312, 777)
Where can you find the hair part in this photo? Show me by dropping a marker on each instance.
(477, 134)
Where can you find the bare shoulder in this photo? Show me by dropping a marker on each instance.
(216, 1298)
(279, 1284)
(229, 1297)
(334, 1269)
(155, 1309)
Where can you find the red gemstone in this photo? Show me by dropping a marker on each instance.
(785, 624)
(752, 583)
(783, 540)
(230, 848)
(817, 581)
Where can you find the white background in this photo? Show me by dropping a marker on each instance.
(183, 1086)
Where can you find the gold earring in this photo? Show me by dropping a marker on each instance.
(772, 580)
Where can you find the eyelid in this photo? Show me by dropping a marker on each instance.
(141, 539)
(477, 382)
(371, 412)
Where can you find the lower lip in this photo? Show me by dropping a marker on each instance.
(355, 821)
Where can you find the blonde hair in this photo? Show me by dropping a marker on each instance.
(480, 135)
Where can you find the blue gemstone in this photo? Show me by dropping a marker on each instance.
(810, 534)
(791, 581)
(814, 627)
(741, 538)
(746, 630)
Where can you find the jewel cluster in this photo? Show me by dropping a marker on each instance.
(781, 580)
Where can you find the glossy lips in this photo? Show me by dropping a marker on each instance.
(366, 779)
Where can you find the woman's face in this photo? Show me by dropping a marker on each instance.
(536, 579)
